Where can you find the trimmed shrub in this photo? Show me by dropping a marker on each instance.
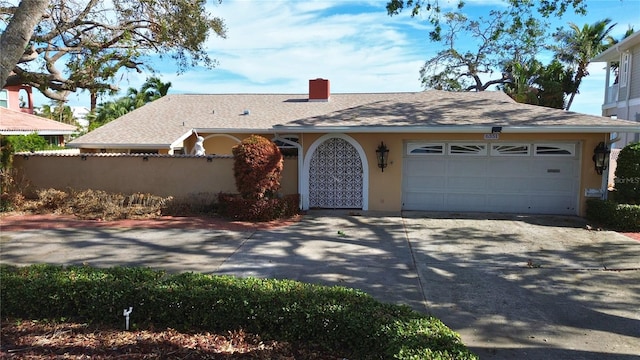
(609, 214)
(627, 185)
(343, 320)
(193, 204)
(257, 167)
(237, 208)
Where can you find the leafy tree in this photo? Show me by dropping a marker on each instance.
(577, 46)
(520, 12)
(455, 69)
(151, 90)
(84, 44)
(536, 84)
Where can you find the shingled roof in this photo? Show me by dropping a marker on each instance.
(173, 117)
(18, 123)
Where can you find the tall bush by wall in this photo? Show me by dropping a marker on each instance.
(257, 167)
(627, 183)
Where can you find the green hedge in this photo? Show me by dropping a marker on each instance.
(334, 318)
(619, 217)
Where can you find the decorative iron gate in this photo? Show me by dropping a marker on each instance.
(335, 176)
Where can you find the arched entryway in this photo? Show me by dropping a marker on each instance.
(336, 174)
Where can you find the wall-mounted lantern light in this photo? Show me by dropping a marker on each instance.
(601, 157)
(382, 154)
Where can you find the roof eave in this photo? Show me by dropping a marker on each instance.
(613, 53)
(117, 146)
(458, 129)
(39, 132)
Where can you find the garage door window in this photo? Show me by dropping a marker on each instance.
(555, 149)
(510, 149)
(425, 149)
(468, 149)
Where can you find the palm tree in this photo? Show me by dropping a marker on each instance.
(58, 111)
(579, 45)
(151, 90)
(154, 89)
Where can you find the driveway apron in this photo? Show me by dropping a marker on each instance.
(174, 250)
(530, 287)
(369, 253)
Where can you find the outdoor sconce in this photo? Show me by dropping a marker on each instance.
(145, 158)
(83, 157)
(601, 157)
(382, 153)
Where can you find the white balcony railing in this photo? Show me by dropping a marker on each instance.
(612, 94)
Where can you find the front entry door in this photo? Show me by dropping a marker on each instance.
(335, 176)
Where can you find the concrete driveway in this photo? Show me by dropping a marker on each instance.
(530, 287)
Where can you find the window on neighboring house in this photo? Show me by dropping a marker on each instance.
(52, 139)
(287, 149)
(624, 69)
(4, 98)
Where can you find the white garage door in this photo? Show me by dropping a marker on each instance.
(491, 177)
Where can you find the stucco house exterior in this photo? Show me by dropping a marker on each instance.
(16, 117)
(622, 84)
(446, 151)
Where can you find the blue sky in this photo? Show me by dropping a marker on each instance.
(276, 46)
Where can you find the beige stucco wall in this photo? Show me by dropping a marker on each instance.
(159, 175)
(163, 176)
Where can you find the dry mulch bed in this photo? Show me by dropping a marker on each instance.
(35, 340)
(21, 221)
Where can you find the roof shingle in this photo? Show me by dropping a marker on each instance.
(171, 117)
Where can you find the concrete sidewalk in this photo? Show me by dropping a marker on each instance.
(513, 287)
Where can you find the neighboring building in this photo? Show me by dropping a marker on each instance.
(18, 123)
(17, 98)
(622, 86)
(448, 151)
(16, 117)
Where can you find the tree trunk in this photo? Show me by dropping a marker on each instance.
(16, 36)
(573, 94)
(94, 101)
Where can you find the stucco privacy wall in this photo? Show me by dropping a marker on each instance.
(178, 176)
(385, 188)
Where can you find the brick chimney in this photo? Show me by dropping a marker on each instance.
(319, 90)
